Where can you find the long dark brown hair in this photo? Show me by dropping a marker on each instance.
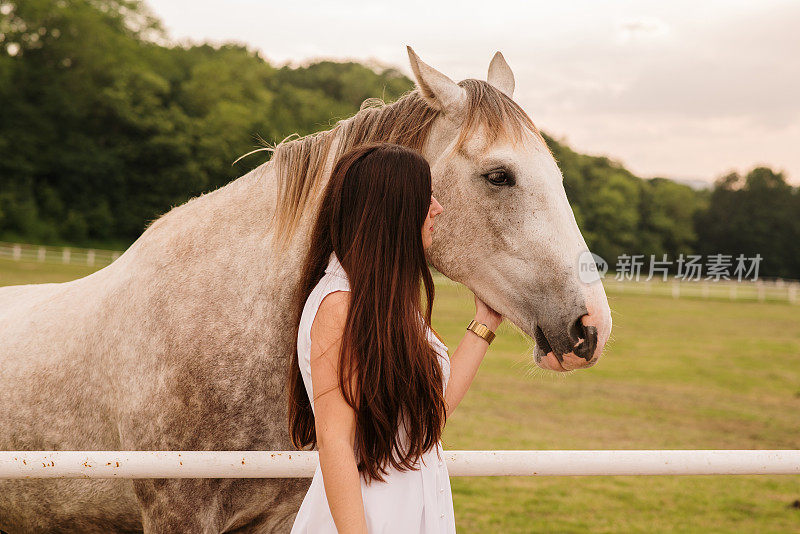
(371, 215)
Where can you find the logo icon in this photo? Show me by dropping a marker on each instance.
(591, 267)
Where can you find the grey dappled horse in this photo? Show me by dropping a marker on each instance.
(184, 341)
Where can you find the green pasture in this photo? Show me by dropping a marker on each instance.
(21, 272)
(678, 374)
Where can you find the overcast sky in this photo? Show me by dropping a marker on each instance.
(681, 89)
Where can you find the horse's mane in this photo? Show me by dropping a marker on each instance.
(300, 164)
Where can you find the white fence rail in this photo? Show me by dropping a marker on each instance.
(62, 255)
(777, 290)
(297, 464)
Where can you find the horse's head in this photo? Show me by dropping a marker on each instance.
(507, 231)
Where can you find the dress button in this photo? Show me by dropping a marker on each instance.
(441, 515)
(441, 490)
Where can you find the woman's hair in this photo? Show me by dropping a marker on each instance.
(371, 215)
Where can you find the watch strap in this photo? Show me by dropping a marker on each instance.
(482, 330)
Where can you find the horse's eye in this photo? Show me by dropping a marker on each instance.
(499, 178)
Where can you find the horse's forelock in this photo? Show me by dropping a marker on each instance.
(495, 114)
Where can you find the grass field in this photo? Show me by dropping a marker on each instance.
(19, 272)
(678, 374)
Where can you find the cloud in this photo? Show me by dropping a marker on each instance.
(642, 29)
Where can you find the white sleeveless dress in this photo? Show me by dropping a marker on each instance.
(408, 502)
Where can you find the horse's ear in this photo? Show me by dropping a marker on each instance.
(500, 75)
(437, 89)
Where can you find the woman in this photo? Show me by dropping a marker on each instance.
(380, 378)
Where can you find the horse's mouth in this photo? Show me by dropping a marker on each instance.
(544, 355)
(541, 340)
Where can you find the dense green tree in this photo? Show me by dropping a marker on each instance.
(667, 211)
(758, 213)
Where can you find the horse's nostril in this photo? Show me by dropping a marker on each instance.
(585, 338)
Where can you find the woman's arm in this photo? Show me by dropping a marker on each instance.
(468, 356)
(335, 420)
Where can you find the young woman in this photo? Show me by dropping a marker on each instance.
(371, 384)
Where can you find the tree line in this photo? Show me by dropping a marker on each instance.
(104, 127)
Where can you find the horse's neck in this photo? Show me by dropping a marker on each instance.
(217, 220)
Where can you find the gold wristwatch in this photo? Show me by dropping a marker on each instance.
(482, 330)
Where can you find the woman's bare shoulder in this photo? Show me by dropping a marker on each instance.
(329, 321)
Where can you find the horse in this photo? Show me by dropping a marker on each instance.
(183, 342)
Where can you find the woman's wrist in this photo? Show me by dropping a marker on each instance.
(488, 321)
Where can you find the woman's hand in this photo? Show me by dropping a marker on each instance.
(486, 315)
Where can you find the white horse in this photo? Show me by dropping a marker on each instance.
(184, 341)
